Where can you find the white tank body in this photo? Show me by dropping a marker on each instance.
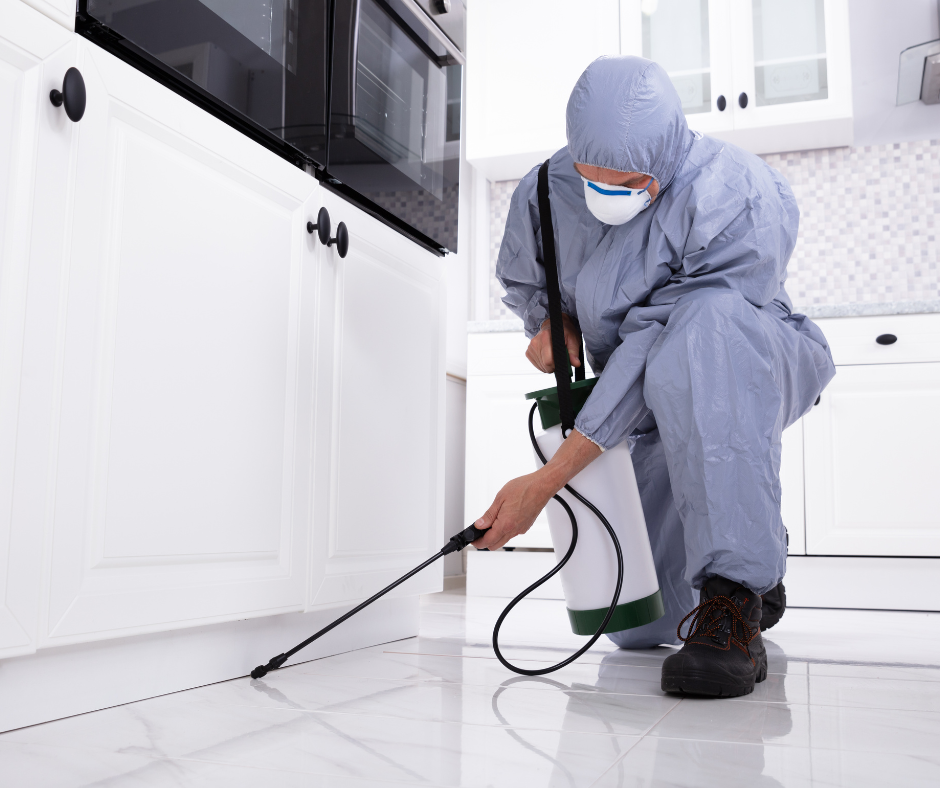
(590, 576)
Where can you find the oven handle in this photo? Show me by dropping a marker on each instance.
(454, 56)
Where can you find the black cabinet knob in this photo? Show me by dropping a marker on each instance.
(322, 228)
(742, 100)
(441, 6)
(72, 95)
(886, 339)
(721, 103)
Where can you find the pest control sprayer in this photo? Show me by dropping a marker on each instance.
(589, 572)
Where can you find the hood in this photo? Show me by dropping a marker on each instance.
(624, 114)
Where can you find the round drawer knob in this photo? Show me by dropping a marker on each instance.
(722, 103)
(886, 339)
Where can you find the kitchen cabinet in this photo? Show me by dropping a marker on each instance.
(26, 40)
(499, 448)
(215, 417)
(768, 75)
(380, 376)
(172, 317)
(870, 444)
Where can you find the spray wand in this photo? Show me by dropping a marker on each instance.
(455, 545)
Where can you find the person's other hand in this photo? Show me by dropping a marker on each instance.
(513, 511)
(540, 347)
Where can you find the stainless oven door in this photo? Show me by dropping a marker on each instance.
(395, 114)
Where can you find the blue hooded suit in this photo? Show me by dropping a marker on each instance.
(702, 363)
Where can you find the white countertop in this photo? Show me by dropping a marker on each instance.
(860, 309)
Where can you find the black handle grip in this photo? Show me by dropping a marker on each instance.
(322, 228)
(722, 103)
(742, 100)
(461, 540)
(886, 339)
(72, 95)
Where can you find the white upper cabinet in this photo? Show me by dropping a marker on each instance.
(523, 59)
(768, 75)
(691, 40)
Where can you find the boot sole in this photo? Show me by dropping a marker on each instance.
(707, 686)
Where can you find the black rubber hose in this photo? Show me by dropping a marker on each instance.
(557, 568)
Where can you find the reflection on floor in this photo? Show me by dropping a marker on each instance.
(853, 699)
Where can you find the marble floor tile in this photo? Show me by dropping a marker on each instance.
(678, 763)
(824, 727)
(852, 698)
(360, 747)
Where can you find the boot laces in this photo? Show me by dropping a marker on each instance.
(716, 615)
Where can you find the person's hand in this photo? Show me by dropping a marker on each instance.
(513, 512)
(540, 347)
(520, 501)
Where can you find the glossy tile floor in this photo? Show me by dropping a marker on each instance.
(853, 699)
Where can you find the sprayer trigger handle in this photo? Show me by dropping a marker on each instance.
(461, 540)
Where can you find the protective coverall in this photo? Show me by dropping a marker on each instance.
(685, 318)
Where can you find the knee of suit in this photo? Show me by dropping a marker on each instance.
(699, 318)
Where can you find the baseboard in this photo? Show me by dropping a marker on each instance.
(812, 581)
(455, 582)
(61, 682)
(863, 582)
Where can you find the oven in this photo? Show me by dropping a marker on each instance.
(366, 94)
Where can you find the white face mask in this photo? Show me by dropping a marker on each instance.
(615, 204)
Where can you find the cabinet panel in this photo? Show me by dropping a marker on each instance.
(177, 319)
(799, 93)
(26, 39)
(380, 413)
(871, 469)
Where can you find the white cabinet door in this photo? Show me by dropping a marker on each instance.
(380, 376)
(791, 61)
(26, 39)
(169, 340)
(691, 39)
(871, 463)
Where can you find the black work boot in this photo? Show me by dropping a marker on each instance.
(773, 604)
(724, 654)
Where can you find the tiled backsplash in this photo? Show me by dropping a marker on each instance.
(869, 226)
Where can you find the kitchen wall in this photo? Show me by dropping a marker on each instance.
(870, 214)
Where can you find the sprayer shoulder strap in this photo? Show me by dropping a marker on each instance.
(550, 263)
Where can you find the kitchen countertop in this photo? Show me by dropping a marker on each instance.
(860, 309)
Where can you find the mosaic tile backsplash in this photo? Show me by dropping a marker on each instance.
(869, 225)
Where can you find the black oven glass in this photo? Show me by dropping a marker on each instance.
(395, 121)
(267, 59)
(394, 128)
